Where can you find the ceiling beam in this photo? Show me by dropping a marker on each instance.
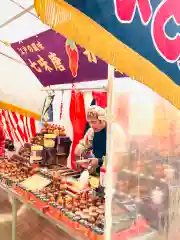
(13, 59)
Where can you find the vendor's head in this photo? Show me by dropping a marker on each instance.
(96, 117)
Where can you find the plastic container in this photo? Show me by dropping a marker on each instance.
(49, 140)
(36, 153)
(103, 176)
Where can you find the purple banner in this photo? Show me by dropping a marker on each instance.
(55, 60)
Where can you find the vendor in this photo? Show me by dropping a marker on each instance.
(95, 139)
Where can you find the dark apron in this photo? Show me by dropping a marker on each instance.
(99, 145)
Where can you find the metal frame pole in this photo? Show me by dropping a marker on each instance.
(103, 88)
(109, 152)
(14, 216)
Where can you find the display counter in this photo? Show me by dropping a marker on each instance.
(77, 212)
(74, 233)
(16, 199)
(144, 198)
(57, 200)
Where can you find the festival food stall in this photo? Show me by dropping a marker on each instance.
(38, 175)
(148, 183)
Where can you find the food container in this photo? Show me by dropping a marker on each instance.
(49, 140)
(36, 153)
(103, 176)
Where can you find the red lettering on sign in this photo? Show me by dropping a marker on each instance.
(125, 10)
(168, 48)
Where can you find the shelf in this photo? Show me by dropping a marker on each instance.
(61, 154)
(151, 178)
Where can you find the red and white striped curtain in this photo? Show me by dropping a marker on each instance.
(17, 127)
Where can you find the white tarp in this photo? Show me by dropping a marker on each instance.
(18, 85)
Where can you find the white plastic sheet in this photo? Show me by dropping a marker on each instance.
(18, 85)
(145, 175)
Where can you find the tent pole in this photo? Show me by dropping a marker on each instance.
(17, 16)
(103, 88)
(20, 6)
(109, 152)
